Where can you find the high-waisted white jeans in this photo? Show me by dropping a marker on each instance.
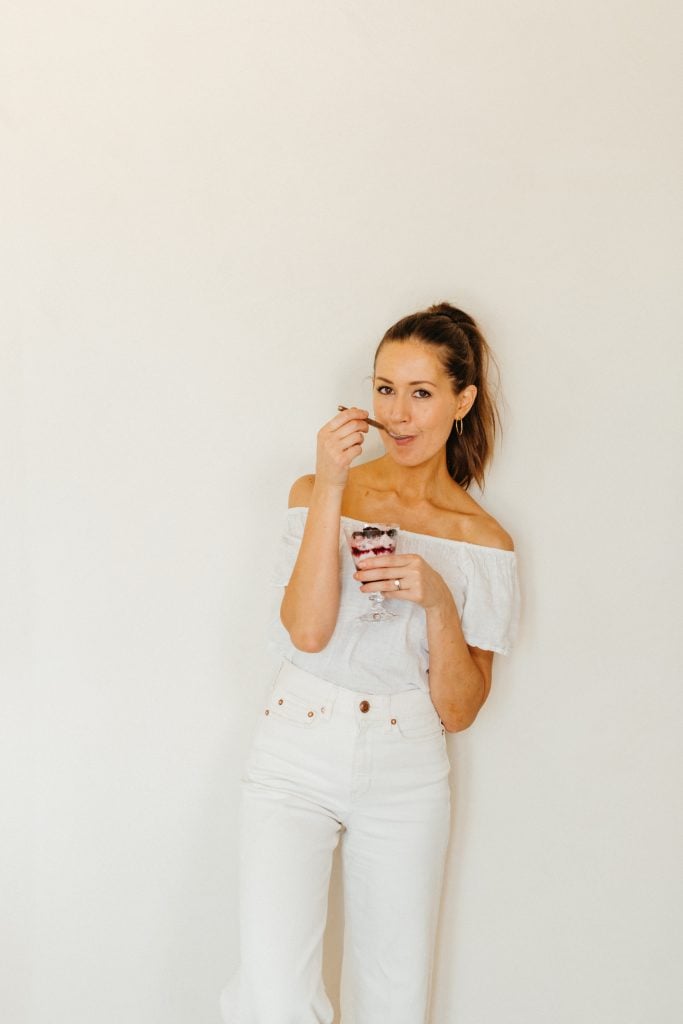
(325, 762)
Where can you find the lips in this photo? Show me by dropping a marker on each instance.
(402, 438)
(403, 442)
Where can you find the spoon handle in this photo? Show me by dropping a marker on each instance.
(373, 423)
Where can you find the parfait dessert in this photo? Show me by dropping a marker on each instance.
(371, 540)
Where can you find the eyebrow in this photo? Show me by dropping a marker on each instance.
(410, 385)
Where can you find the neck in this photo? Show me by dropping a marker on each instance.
(414, 485)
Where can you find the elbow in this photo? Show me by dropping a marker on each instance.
(307, 640)
(458, 724)
(310, 643)
(308, 637)
(460, 720)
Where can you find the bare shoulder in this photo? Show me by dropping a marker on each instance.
(301, 491)
(479, 527)
(491, 534)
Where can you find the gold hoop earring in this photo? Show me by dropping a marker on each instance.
(458, 432)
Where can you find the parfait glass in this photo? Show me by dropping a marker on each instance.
(366, 540)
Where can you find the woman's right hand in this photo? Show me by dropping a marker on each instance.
(340, 441)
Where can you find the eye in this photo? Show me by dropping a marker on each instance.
(383, 389)
(422, 392)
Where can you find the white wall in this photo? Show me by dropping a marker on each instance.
(212, 213)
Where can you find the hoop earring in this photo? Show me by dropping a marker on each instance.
(458, 432)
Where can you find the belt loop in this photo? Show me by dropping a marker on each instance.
(328, 701)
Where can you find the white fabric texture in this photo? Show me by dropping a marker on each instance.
(325, 769)
(387, 657)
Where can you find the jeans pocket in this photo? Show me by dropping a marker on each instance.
(288, 706)
(420, 725)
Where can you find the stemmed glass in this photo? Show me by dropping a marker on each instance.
(370, 540)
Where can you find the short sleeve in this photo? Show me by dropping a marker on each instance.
(287, 548)
(491, 609)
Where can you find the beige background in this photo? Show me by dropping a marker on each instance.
(211, 213)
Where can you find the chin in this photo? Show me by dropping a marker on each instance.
(408, 458)
(412, 456)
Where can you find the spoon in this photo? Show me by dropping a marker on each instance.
(373, 423)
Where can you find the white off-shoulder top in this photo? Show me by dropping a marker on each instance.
(387, 657)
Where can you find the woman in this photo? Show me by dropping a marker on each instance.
(352, 741)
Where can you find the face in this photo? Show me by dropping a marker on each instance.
(415, 399)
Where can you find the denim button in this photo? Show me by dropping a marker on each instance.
(364, 705)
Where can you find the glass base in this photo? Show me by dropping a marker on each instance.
(377, 615)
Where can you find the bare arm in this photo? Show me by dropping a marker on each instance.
(459, 680)
(310, 604)
(459, 675)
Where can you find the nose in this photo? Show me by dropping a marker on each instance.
(399, 412)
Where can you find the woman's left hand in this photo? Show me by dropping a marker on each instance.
(417, 580)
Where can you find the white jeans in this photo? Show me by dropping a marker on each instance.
(325, 762)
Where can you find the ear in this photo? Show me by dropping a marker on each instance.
(466, 400)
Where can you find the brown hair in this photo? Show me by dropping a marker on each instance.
(465, 355)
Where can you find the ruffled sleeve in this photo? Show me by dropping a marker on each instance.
(491, 607)
(288, 548)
